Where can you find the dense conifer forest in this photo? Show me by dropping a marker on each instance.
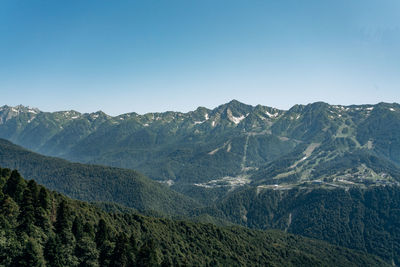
(44, 228)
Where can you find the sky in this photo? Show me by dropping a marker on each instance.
(158, 55)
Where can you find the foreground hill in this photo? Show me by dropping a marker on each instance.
(206, 153)
(95, 183)
(43, 228)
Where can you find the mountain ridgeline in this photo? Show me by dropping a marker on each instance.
(213, 151)
(43, 228)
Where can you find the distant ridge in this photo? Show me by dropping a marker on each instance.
(233, 145)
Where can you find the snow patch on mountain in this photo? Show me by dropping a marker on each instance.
(276, 114)
(235, 120)
(30, 110)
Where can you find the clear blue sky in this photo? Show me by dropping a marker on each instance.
(148, 55)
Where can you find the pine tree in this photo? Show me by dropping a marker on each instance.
(14, 186)
(102, 233)
(33, 187)
(62, 222)
(43, 198)
(41, 206)
(26, 217)
(77, 228)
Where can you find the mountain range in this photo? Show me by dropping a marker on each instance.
(218, 150)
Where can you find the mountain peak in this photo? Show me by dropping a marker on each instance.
(235, 102)
(236, 107)
(318, 105)
(19, 108)
(9, 112)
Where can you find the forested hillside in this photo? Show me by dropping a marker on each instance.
(95, 183)
(363, 219)
(43, 228)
